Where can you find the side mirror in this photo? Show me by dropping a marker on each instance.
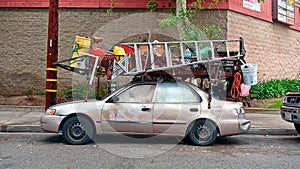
(114, 99)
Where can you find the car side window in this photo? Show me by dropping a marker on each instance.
(176, 93)
(137, 94)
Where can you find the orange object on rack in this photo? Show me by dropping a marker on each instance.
(98, 50)
(237, 80)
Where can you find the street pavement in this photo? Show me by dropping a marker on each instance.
(27, 119)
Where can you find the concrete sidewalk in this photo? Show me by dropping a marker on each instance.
(27, 119)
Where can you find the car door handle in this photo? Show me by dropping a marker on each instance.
(194, 109)
(146, 109)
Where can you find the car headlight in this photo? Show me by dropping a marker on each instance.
(50, 111)
(283, 100)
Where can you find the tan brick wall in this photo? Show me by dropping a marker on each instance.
(272, 46)
(209, 17)
(23, 41)
(23, 44)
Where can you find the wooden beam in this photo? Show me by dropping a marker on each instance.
(52, 54)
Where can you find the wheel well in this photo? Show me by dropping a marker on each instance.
(76, 114)
(193, 122)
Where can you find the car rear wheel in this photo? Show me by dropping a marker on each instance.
(78, 130)
(297, 127)
(203, 133)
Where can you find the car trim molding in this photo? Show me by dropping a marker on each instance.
(169, 123)
(120, 122)
(135, 122)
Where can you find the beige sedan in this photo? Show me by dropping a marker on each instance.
(149, 108)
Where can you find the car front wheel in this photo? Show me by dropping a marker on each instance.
(297, 127)
(203, 133)
(77, 130)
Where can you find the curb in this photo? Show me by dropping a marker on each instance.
(262, 111)
(22, 108)
(21, 128)
(270, 131)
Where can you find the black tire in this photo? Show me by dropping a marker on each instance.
(203, 133)
(78, 130)
(297, 127)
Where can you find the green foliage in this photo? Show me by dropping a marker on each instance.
(152, 5)
(213, 31)
(78, 92)
(110, 10)
(189, 31)
(197, 5)
(192, 33)
(275, 104)
(274, 88)
(31, 92)
(40, 92)
(170, 21)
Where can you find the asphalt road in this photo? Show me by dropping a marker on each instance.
(41, 150)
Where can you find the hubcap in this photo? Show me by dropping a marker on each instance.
(203, 133)
(77, 130)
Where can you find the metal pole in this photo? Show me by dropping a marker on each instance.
(52, 54)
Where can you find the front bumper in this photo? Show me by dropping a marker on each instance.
(50, 123)
(290, 114)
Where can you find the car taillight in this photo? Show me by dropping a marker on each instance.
(240, 111)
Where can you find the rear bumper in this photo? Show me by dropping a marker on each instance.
(50, 123)
(244, 125)
(290, 114)
(234, 127)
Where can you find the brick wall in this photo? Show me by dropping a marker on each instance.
(23, 41)
(23, 44)
(272, 46)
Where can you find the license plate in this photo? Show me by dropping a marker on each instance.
(288, 116)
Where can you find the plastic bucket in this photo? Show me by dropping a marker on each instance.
(249, 74)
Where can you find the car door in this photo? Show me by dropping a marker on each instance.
(130, 110)
(175, 104)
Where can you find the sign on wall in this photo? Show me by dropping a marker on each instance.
(284, 11)
(252, 4)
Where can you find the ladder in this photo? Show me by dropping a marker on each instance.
(157, 56)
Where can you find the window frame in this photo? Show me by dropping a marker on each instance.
(196, 94)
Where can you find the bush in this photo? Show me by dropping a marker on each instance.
(274, 88)
(78, 92)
